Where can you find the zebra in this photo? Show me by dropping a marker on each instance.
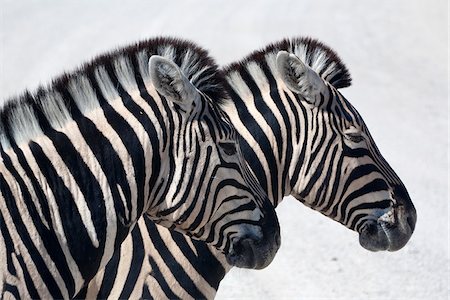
(137, 130)
(300, 137)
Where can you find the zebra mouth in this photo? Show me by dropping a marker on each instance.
(390, 232)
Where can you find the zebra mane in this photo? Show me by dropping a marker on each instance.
(321, 58)
(21, 117)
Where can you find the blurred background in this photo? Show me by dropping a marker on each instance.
(397, 53)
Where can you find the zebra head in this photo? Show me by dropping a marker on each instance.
(210, 195)
(340, 171)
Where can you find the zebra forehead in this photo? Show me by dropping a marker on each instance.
(321, 58)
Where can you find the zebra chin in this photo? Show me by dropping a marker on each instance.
(391, 231)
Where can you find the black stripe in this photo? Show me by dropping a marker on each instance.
(10, 289)
(9, 245)
(211, 128)
(357, 173)
(109, 275)
(137, 260)
(300, 160)
(31, 289)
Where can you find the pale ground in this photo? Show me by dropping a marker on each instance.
(397, 54)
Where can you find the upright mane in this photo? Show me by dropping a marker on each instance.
(21, 118)
(315, 54)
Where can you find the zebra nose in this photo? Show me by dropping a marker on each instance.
(254, 251)
(250, 253)
(242, 254)
(392, 230)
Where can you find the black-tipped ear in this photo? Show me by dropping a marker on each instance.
(298, 77)
(169, 81)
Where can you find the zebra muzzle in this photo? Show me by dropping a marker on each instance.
(254, 251)
(391, 231)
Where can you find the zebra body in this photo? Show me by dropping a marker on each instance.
(128, 134)
(170, 267)
(300, 137)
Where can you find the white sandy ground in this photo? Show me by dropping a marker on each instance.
(397, 52)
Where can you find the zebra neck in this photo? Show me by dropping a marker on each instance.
(263, 141)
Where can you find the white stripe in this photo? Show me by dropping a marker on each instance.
(107, 88)
(24, 124)
(4, 142)
(83, 94)
(55, 110)
(167, 51)
(125, 74)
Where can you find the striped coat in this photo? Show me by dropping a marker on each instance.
(138, 130)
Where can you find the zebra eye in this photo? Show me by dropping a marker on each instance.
(355, 137)
(228, 148)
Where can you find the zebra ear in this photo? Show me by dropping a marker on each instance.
(169, 81)
(298, 77)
